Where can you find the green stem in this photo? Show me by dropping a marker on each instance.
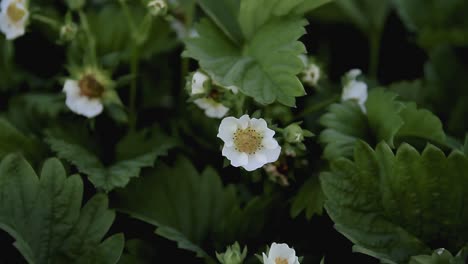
(317, 107)
(90, 37)
(134, 68)
(185, 61)
(46, 20)
(128, 15)
(374, 43)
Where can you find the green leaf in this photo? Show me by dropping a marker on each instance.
(368, 15)
(441, 256)
(224, 14)
(383, 113)
(43, 215)
(265, 68)
(345, 123)
(130, 160)
(443, 22)
(420, 123)
(393, 206)
(12, 140)
(310, 199)
(184, 205)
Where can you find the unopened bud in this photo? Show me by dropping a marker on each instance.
(157, 7)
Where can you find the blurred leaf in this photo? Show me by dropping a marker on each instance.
(137, 252)
(442, 22)
(44, 216)
(368, 15)
(441, 256)
(345, 123)
(12, 140)
(310, 199)
(393, 206)
(265, 69)
(119, 173)
(198, 202)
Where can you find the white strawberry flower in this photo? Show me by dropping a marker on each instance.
(212, 108)
(198, 83)
(85, 94)
(248, 142)
(280, 254)
(14, 15)
(354, 89)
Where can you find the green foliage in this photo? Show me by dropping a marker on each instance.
(45, 217)
(441, 256)
(12, 140)
(201, 208)
(265, 69)
(367, 15)
(394, 206)
(388, 119)
(134, 152)
(310, 199)
(442, 22)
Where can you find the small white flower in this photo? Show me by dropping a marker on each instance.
(84, 96)
(157, 7)
(311, 75)
(355, 90)
(248, 143)
(198, 82)
(13, 18)
(280, 254)
(212, 108)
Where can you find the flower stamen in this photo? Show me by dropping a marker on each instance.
(279, 260)
(90, 87)
(247, 140)
(15, 13)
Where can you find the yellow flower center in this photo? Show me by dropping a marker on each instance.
(15, 13)
(247, 140)
(90, 87)
(279, 260)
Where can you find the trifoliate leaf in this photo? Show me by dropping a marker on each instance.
(345, 123)
(265, 68)
(394, 206)
(309, 199)
(43, 215)
(130, 159)
(197, 203)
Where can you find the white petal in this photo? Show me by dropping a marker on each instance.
(253, 164)
(269, 143)
(258, 124)
(244, 122)
(260, 158)
(198, 81)
(226, 130)
(355, 90)
(216, 111)
(281, 251)
(353, 74)
(10, 28)
(84, 106)
(237, 158)
(293, 260)
(71, 88)
(271, 155)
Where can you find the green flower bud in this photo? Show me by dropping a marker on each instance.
(157, 7)
(68, 32)
(295, 134)
(232, 255)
